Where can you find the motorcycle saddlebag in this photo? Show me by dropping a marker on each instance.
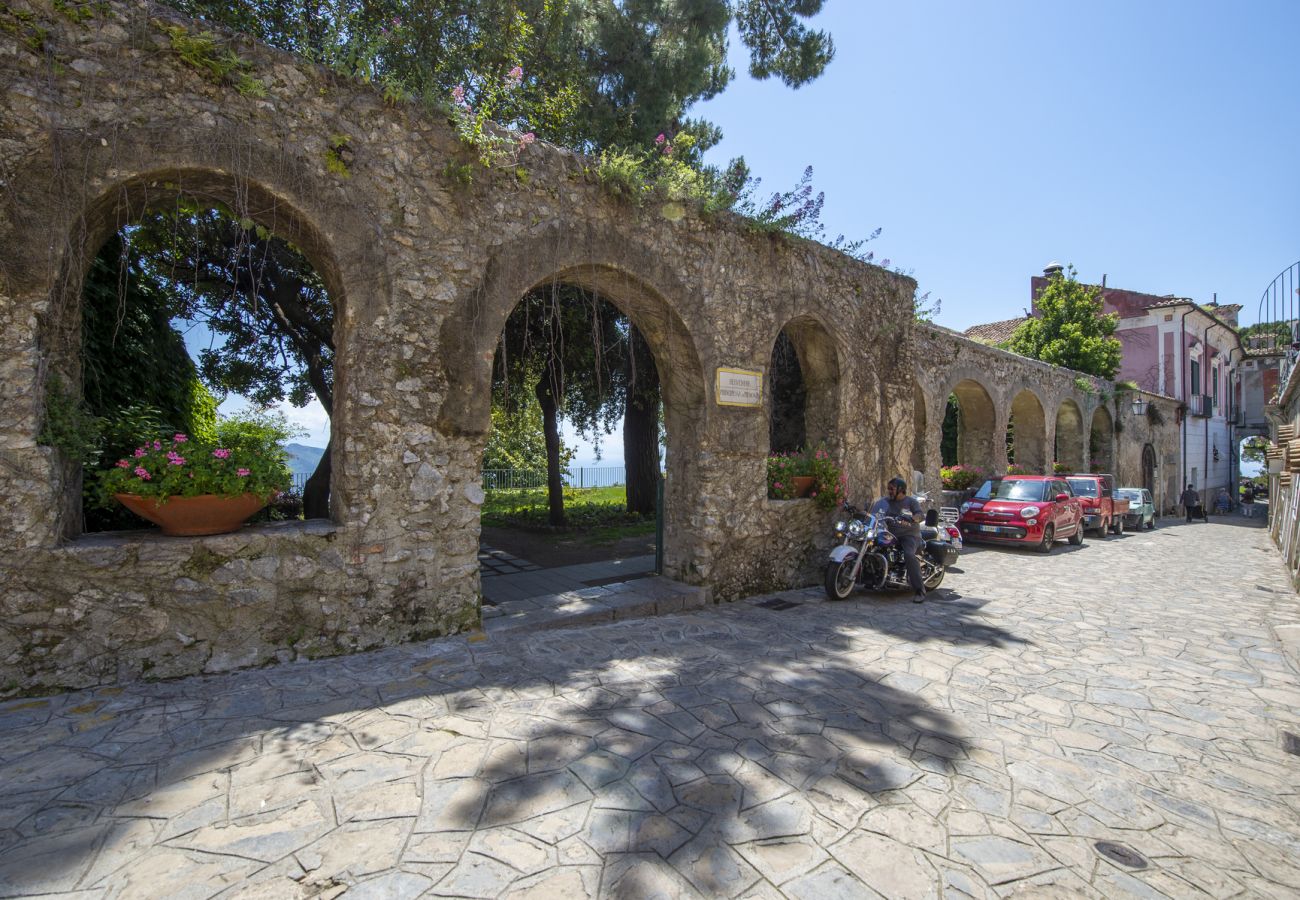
(942, 551)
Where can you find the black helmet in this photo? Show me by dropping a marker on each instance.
(897, 482)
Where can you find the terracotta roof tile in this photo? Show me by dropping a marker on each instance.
(994, 332)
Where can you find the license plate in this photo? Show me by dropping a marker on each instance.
(990, 528)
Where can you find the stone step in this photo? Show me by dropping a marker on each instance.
(639, 598)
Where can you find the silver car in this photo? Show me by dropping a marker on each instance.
(1141, 508)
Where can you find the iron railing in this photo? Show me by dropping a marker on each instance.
(581, 477)
(1280, 304)
(522, 479)
(1200, 406)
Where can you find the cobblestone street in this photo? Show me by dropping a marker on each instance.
(1131, 691)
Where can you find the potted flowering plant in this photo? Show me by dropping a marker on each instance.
(829, 482)
(193, 487)
(788, 474)
(961, 478)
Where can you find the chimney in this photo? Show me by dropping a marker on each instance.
(1053, 268)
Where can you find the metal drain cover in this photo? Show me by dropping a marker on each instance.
(1125, 856)
(777, 603)
(1291, 743)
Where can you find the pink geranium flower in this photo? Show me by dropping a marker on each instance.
(179, 439)
(243, 473)
(221, 453)
(142, 472)
(123, 464)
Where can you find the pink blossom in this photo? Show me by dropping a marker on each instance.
(516, 76)
(123, 464)
(527, 139)
(659, 140)
(175, 459)
(139, 452)
(243, 473)
(458, 94)
(179, 439)
(142, 472)
(157, 445)
(221, 453)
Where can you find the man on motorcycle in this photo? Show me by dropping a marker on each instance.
(905, 517)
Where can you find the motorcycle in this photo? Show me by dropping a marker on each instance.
(871, 556)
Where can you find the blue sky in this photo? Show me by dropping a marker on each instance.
(1153, 142)
(1150, 141)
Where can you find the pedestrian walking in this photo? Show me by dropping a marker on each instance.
(1222, 503)
(1248, 501)
(1191, 502)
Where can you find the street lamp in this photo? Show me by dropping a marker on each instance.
(1139, 405)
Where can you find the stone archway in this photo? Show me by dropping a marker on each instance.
(676, 359)
(815, 398)
(1027, 433)
(242, 198)
(1101, 441)
(976, 419)
(1149, 468)
(1070, 442)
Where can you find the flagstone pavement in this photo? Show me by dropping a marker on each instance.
(1114, 720)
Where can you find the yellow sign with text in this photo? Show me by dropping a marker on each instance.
(739, 387)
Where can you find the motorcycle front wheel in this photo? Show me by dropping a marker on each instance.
(839, 579)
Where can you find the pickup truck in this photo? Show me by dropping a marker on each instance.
(1102, 511)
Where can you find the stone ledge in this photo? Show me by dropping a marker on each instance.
(110, 540)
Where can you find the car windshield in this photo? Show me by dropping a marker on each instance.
(1083, 487)
(1128, 494)
(1011, 489)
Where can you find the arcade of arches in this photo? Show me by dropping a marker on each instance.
(424, 272)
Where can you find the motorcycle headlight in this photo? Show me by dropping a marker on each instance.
(840, 527)
(857, 528)
(1029, 512)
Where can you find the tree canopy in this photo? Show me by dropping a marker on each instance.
(596, 73)
(1069, 329)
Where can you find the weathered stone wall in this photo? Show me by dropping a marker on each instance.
(1038, 391)
(100, 120)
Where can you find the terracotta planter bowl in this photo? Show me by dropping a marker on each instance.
(190, 516)
(803, 485)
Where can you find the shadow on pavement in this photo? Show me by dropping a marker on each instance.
(670, 746)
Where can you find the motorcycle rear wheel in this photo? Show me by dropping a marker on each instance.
(839, 579)
(936, 578)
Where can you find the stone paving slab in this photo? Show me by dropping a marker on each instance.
(1134, 691)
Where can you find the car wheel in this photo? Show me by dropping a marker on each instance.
(1076, 539)
(1102, 530)
(1118, 525)
(839, 579)
(1049, 538)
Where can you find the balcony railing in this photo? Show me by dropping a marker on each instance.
(1200, 406)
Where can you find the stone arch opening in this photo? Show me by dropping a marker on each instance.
(1101, 441)
(968, 427)
(676, 362)
(1027, 434)
(269, 320)
(804, 388)
(1068, 450)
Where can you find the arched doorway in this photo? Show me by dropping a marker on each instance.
(668, 343)
(1027, 434)
(1149, 468)
(1068, 451)
(1101, 441)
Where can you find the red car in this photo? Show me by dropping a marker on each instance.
(1023, 509)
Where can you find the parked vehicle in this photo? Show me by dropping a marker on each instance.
(1103, 512)
(871, 557)
(1037, 510)
(1141, 508)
